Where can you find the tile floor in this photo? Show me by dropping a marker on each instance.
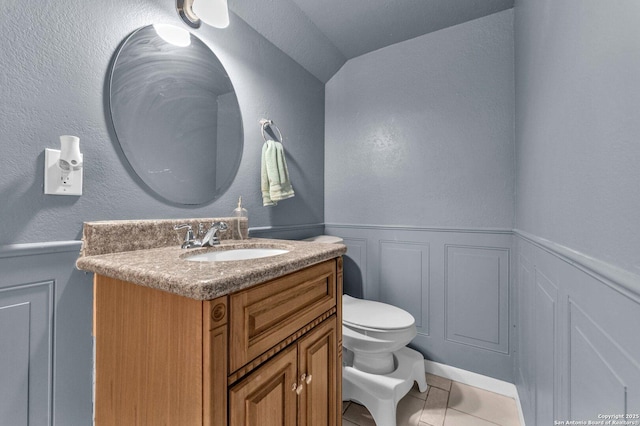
(445, 403)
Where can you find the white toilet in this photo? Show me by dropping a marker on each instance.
(378, 369)
(373, 331)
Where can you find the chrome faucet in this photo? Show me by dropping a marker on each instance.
(210, 238)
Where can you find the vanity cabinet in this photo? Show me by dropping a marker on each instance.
(296, 387)
(266, 355)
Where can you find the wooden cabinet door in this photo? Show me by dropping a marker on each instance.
(267, 396)
(317, 361)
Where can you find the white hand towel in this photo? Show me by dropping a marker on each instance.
(275, 183)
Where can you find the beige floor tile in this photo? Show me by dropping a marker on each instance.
(415, 392)
(359, 415)
(348, 423)
(345, 405)
(484, 404)
(409, 410)
(435, 407)
(458, 418)
(439, 382)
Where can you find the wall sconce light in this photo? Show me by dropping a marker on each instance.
(211, 12)
(63, 168)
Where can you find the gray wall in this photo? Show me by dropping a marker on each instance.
(419, 181)
(577, 234)
(53, 63)
(54, 59)
(577, 125)
(421, 133)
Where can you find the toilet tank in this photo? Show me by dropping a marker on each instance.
(328, 239)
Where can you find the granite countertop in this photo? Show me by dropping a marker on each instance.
(166, 269)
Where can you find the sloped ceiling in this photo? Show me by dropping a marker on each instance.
(321, 35)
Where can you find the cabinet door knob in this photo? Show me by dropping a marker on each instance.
(294, 387)
(303, 377)
(299, 389)
(309, 377)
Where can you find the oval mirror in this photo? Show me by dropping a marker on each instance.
(175, 114)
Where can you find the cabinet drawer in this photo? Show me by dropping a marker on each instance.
(264, 315)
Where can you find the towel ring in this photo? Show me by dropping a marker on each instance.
(264, 123)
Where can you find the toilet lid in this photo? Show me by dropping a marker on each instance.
(374, 315)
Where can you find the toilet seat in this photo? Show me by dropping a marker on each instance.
(374, 316)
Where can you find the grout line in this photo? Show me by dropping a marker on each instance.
(475, 417)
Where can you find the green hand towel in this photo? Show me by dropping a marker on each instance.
(275, 183)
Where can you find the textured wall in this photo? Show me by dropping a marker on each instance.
(54, 59)
(577, 126)
(421, 132)
(309, 47)
(578, 229)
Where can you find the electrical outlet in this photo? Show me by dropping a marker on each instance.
(57, 182)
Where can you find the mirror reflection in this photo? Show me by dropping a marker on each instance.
(175, 114)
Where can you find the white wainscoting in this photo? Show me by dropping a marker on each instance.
(578, 348)
(477, 296)
(455, 282)
(45, 336)
(509, 305)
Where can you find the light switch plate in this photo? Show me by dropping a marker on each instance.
(53, 183)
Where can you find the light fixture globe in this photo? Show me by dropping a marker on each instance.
(211, 12)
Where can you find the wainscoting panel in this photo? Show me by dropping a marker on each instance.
(603, 377)
(404, 279)
(582, 335)
(455, 282)
(524, 354)
(14, 364)
(477, 297)
(26, 348)
(546, 301)
(45, 336)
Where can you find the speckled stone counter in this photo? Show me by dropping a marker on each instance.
(165, 267)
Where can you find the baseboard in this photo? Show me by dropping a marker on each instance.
(476, 380)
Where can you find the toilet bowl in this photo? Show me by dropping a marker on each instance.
(373, 331)
(378, 369)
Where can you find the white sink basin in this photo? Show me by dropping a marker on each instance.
(236, 254)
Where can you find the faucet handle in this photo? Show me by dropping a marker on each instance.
(184, 225)
(188, 238)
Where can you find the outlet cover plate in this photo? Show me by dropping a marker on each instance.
(53, 176)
